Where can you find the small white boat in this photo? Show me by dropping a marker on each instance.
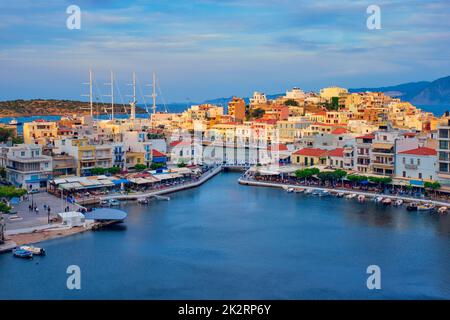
(104, 203)
(290, 190)
(398, 202)
(350, 196)
(14, 122)
(387, 201)
(308, 191)
(340, 194)
(299, 190)
(114, 202)
(142, 201)
(378, 199)
(35, 250)
(361, 198)
(442, 210)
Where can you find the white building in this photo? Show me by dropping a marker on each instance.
(258, 98)
(417, 164)
(27, 167)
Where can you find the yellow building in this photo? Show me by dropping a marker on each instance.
(39, 131)
(133, 158)
(328, 93)
(308, 157)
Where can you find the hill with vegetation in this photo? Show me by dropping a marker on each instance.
(43, 107)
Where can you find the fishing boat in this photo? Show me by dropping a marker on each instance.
(308, 191)
(412, 206)
(316, 192)
(142, 201)
(350, 196)
(324, 193)
(361, 198)
(290, 190)
(442, 210)
(114, 202)
(34, 250)
(14, 122)
(387, 201)
(24, 254)
(104, 203)
(425, 207)
(340, 195)
(398, 202)
(299, 190)
(378, 199)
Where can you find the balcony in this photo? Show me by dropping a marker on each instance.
(411, 166)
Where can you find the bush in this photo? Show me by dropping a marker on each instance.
(140, 167)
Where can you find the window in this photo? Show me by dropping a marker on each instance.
(404, 160)
(418, 162)
(420, 175)
(404, 174)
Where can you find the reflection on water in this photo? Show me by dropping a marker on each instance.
(224, 240)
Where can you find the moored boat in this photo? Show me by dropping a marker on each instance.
(361, 198)
(143, 201)
(398, 202)
(104, 203)
(114, 202)
(24, 254)
(442, 210)
(350, 196)
(425, 207)
(324, 193)
(14, 122)
(299, 190)
(378, 199)
(412, 206)
(34, 250)
(340, 195)
(387, 201)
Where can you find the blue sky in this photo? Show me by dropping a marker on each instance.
(205, 49)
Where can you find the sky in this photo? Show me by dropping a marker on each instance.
(204, 49)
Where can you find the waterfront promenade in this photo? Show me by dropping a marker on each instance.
(246, 181)
(205, 177)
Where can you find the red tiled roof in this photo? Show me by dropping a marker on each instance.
(338, 152)
(367, 136)
(409, 134)
(156, 153)
(421, 151)
(277, 147)
(339, 131)
(312, 152)
(180, 143)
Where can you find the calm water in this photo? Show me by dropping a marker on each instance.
(224, 240)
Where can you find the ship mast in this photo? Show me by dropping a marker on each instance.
(91, 103)
(111, 83)
(133, 103)
(154, 93)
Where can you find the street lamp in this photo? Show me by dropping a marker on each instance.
(32, 198)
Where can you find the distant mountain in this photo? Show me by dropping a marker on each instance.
(432, 93)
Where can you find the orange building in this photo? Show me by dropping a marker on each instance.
(236, 108)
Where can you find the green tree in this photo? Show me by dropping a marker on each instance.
(181, 164)
(114, 170)
(257, 113)
(432, 186)
(155, 166)
(354, 178)
(291, 102)
(140, 167)
(98, 171)
(7, 192)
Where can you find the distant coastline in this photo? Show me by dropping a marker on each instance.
(50, 107)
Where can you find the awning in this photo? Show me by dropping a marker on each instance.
(382, 146)
(417, 183)
(119, 181)
(70, 186)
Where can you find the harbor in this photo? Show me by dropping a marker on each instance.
(223, 239)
